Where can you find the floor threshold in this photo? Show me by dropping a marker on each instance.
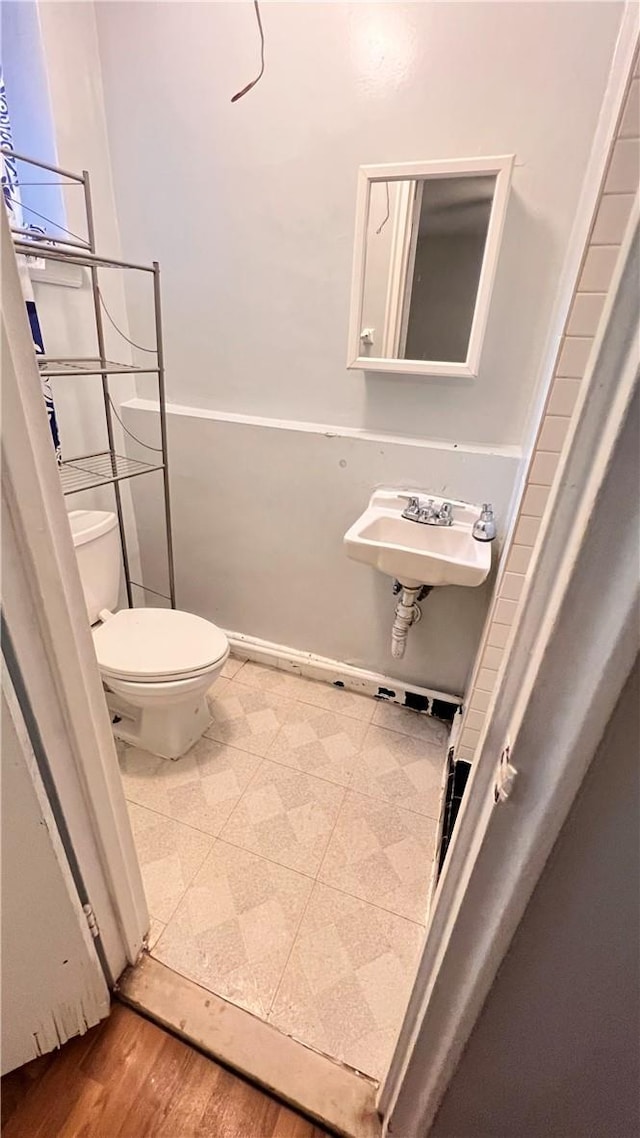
(327, 1092)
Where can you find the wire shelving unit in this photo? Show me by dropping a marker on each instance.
(106, 467)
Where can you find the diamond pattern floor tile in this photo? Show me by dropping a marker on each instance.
(401, 769)
(319, 742)
(382, 854)
(246, 718)
(409, 722)
(170, 854)
(217, 687)
(291, 685)
(286, 816)
(231, 667)
(235, 927)
(340, 700)
(314, 692)
(346, 984)
(199, 789)
(294, 780)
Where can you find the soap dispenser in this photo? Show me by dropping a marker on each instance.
(484, 528)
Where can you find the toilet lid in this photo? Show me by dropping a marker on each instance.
(157, 644)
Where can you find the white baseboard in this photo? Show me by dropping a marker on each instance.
(343, 675)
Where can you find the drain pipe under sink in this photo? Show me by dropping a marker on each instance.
(408, 612)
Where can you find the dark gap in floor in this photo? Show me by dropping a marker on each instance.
(457, 779)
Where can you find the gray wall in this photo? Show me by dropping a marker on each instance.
(261, 553)
(556, 1050)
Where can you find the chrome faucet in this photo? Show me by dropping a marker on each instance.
(426, 513)
(444, 516)
(412, 510)
(484, 528)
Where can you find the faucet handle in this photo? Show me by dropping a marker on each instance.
(428, 511)
(412, 509)
(444, 515)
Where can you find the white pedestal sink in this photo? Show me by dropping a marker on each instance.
(415, 553)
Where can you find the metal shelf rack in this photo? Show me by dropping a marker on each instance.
(92, 470)
(52, 367)
(105, 468)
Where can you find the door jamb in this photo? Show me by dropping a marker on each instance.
(38, 510)
(574, 646)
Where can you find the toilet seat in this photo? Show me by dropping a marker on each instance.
(158, 645)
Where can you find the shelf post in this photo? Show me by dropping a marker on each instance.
(163, 429)
(105, 383)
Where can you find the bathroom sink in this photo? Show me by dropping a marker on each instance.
(418, 554)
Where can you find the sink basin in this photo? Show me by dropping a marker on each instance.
(418, 554)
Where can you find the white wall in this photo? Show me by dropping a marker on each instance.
(71, 49)
(250, 209)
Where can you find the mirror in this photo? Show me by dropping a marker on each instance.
(427, 239)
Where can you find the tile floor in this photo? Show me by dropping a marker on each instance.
(287, 857)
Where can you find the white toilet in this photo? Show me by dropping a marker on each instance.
(156, 664)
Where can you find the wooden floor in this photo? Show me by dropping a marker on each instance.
(128, 1078)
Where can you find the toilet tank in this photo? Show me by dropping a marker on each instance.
(97, 543)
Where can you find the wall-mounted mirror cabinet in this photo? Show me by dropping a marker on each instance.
(426, 248)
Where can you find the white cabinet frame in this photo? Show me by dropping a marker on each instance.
(500, 166)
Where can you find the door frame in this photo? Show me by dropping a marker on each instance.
(54, 642)
(574, 646)
(43, 607)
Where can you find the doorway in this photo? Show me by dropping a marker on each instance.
(107, 813)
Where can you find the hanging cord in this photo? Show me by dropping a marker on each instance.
(130, 433)
(258, 77)
(386, 217)
(140, 348)
(119, 330)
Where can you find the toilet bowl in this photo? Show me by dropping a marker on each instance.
(157, 665)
